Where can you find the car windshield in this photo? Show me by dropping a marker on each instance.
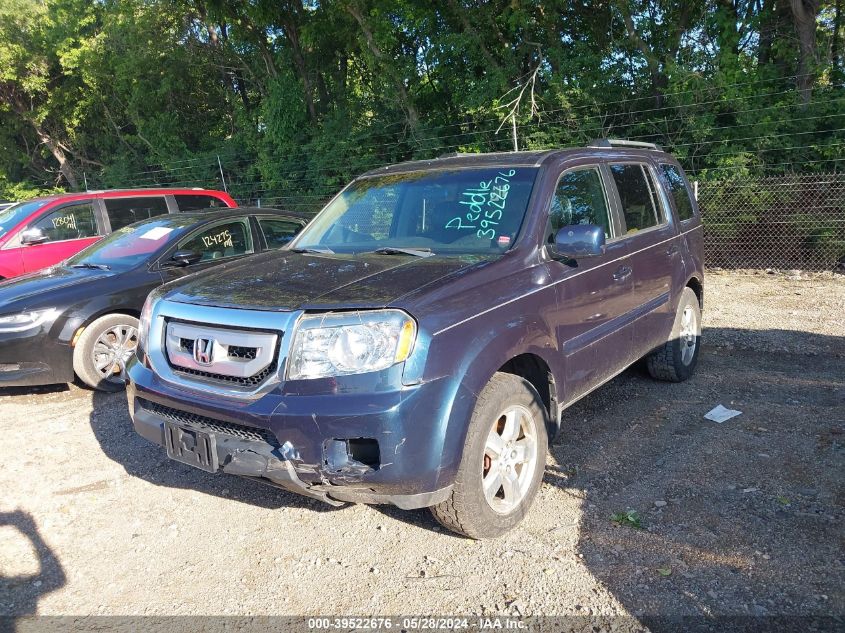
(444, 211)
(11, 216)
(128, 246)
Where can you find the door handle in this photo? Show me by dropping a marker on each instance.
(622, 273)
(672, 250)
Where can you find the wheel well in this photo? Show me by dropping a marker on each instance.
(131, 312)
(535, 370)
(695, 285)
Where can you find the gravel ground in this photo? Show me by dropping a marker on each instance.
(743, 518)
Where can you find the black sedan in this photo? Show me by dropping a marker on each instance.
(81, 316)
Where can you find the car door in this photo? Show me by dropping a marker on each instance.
(277, 231)
(217, 242)
(594, 293)
(652, 240)
(61, 232)
(123, 211)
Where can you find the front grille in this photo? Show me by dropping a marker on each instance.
(204, 423)
(250, 381)
(247, 353)
(187, 344)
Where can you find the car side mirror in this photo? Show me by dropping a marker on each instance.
(185, 258)
(578, 240)
(33, 236)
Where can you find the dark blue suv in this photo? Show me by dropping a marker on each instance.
(418, 342)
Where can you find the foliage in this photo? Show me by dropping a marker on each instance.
(294, 97)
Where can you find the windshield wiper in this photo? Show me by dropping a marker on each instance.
(91, 266)
(398, 250)
(325, 250)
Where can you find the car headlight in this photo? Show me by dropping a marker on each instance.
(144, 325)
(26, 320)
(338, 344)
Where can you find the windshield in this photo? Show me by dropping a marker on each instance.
(453, 211)
(129, 246)
(13, 215)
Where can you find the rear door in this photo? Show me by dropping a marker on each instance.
(652, 240)
(594, 293)
(123, 211)
(198, 201)
(68, 229)
(277, 231)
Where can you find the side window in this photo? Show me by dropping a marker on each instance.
(679, 191)
(195, 203)
(580, 199)
(278, 232)
(124, 211)
(71, 222)
(636, 191)
(228, 239)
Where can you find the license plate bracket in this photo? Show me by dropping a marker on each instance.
(191, 446)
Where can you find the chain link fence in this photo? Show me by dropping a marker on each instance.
(785, 222)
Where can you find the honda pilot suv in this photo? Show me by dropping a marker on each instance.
(419, 341)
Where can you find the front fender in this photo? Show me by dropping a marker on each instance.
(469, 355)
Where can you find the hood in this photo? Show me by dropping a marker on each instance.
(283, 280)
(43, 289)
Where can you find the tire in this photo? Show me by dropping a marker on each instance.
(115, 334)
(676, 359)
(505, 400)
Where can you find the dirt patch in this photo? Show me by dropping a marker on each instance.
(742, 518)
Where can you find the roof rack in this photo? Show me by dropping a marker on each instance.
(616, 142)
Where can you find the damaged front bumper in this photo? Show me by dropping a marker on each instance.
(380, 448)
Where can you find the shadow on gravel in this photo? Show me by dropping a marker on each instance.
(113, 429)
(34, 391)
(733, 526)
(19, 594)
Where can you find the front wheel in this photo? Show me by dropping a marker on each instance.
(101, 353)
(503, 461)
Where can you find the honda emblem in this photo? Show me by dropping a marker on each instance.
(203, 348)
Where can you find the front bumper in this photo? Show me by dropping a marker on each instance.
(35, 357)
(306, 443)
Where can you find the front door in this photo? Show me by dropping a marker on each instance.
(67, 230)
(594, 293)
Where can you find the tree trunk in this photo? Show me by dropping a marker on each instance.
(292, 33)
(413, 116)
(834, 47)
(58, 153)
(804, 13)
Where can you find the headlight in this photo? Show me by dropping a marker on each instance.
(26, 320)
(350, 343)
(144, 326)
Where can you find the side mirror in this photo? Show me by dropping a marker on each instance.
(185, 258)
(578, 240)
(33, 236)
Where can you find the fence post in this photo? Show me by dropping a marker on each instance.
(695, 189)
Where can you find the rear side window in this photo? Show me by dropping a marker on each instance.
(579, 199)
(124, 211)
(278, 232)
(637, 193)
(229, 239)
(679, 190)
(195, 203)
(71, 222)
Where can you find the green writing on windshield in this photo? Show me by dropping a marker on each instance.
(484, 206)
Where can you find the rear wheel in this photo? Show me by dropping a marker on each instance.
(103, 349)
(676, 359)
(503, 461)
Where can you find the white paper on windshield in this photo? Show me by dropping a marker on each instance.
(156, 233)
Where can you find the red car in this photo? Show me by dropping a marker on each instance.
(39, 233)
